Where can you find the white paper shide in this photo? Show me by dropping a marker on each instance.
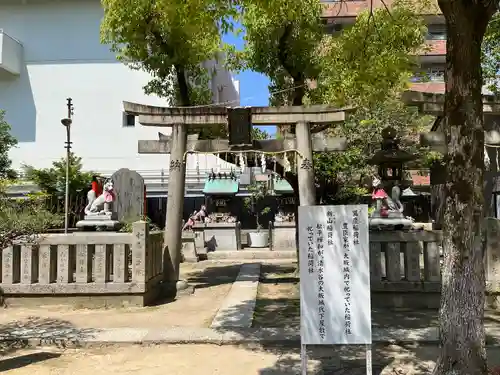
(334, 275)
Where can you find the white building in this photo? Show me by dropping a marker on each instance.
(50, 51)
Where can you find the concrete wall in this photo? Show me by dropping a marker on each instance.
(63, 58)
(11, 54)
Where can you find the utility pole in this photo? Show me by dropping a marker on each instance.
(67, 123)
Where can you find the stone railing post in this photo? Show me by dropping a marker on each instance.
(493, 251)
(238, 235)
(412, 261)
(393, 261)
(140, 233)
(271, 233)
(432, 268)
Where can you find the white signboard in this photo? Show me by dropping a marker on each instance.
(334, 275)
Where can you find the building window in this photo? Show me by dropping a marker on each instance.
(436, 74)
(331, 27)
(429, 75)
(436, 32)
(128, 119)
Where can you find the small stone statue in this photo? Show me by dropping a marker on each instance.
(99, 210)
(389, 210)
(281, 217)
(197, 216)
(100, 204)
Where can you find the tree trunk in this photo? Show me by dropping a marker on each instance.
(462, 336)
(183, 86)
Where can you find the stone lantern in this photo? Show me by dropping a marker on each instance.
(390, 160)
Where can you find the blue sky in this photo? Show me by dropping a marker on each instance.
(254, 89)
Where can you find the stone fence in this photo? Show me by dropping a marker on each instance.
(405, 269)
(84, 268)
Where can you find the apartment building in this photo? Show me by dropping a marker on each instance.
(339, 14)
(49, 51)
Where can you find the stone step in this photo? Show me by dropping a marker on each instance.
(253, 254)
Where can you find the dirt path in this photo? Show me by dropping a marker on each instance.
(278, 305)
(212, 285)
(223, 360)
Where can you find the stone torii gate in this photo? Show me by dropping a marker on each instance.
(239, 122)
(433, 104)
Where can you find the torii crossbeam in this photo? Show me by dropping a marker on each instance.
(239, 122)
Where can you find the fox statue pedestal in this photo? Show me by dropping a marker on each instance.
(98, 212)
(99, 222)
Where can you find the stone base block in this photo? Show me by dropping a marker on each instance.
(189, 251)
(220, 236)
(82, 302)
(390, 223)
(98, 223)
(284, 236)
(101, 216)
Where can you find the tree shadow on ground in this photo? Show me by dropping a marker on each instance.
(284, 342)
(226, 274)
(36, 331)
(25, 360)
(213, 276)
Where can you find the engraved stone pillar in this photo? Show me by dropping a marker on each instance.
(305, 173)
(158, 255)
(47, 265)
(140, 236)
(64, 272)
(432, 269)
(7, 265)
(28, 273)
(83, 264)
(493, 250)
(120, 271)
(11, 264)
(393, 261)
(412, 261)
(100, 264)
(375, 262)
(175, 205)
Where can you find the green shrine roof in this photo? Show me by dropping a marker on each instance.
(282, 186)
(221, 186)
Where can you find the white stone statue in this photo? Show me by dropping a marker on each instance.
(102, 204)
(196, 217)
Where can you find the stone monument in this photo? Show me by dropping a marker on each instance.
(130, 190)
(99, 212)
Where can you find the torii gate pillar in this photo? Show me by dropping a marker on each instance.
(305, 170)
(175, 204)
